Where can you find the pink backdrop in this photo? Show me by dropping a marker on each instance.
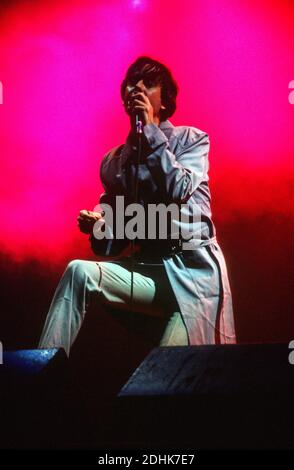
(61, 65)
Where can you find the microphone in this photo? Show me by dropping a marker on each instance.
(138, 120)
(139, 124)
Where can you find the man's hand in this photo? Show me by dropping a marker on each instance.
(140, 104)
(87, 219)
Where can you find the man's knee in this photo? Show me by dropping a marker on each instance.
(83, 268)
(75, 264)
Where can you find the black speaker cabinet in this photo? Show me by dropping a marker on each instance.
(209, 397)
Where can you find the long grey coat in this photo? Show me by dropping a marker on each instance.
(174, 168)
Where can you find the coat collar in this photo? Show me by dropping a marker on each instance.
(165, 126)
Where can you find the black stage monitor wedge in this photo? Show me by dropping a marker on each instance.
(212, 397)
(36, 391)
(26, 364)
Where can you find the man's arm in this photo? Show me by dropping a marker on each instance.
(180, 173)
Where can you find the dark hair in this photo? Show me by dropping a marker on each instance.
(155, 73)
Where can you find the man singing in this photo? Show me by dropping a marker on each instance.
(181, 282)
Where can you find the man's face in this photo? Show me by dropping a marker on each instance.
(152, 91)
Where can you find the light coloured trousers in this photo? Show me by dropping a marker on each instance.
(85, 283)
